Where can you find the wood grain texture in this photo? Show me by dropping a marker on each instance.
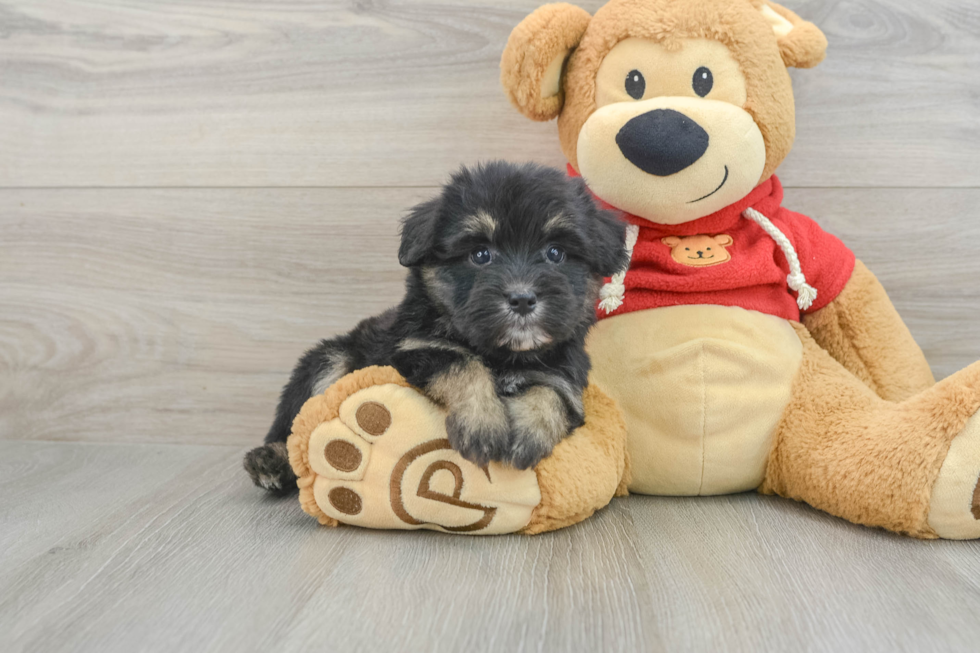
(176, 315)
(161, 316)
(167, 548)
(381, 93)
(147, 328)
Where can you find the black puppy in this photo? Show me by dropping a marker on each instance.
(505, 270)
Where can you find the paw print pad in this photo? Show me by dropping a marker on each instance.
(954, 510)
(385, 462)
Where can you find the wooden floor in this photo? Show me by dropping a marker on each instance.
(192, 192)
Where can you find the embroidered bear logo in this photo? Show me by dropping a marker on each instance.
(699, 251)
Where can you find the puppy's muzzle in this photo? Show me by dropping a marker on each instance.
(522, 303)
(662, 142)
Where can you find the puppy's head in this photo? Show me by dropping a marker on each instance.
(513, 256)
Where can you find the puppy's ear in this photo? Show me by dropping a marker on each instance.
(801, 43)
(532, 63)
(419, 233)
(605, 233)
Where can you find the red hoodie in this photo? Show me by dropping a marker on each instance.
(744, 267)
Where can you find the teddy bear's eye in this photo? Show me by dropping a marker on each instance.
(635, 84)
(687, 249)
(703, 81)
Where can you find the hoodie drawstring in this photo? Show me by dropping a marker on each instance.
(806, 294)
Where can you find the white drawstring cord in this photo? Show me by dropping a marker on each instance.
(806, 294)
(612, 293)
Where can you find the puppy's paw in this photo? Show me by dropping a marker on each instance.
(539, 421)
(268, 466)
(480, 437)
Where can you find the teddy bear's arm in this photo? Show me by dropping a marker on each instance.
(862, 330)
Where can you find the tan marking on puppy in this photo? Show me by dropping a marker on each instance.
(481, 223)
(558, 221)
(571, 395)
(411, 344)
(524, 337)
(467, 390)
(440, 292)
(336, 368)
(539, 412)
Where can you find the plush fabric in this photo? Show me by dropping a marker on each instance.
(753, 278)
(843, 449)
(702, 389)
(549, 33)
(372, 452)
(862, 330)
(770, 97)
(585, 471)
(954, 508)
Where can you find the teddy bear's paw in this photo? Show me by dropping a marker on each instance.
(385, 462)
(954, 509)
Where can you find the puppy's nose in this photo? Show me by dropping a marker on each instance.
(522, 303)
(662, 142)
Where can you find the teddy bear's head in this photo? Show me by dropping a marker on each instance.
(670, 109)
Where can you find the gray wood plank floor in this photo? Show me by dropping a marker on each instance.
(191, 193)
(167, 548)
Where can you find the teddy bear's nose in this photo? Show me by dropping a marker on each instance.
(662, 142)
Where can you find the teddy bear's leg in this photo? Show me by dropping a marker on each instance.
(585, 470)
(372, 451)
(910, 467)
(862, 330)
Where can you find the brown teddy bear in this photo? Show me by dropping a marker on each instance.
(744, 346)
(779, 365)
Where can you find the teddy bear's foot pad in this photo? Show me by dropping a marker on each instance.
(954, 511)
(383, 461)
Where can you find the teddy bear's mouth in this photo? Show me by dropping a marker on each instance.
(715, 190)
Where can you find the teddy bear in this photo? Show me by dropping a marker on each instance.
(780, 365)
(742, 349)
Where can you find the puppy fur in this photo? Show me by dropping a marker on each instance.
(505, 267)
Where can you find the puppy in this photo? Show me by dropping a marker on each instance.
(505, 267)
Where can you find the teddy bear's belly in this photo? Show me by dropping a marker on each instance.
(702, 390)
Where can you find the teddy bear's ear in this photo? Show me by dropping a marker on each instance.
(532, 64)
(724, 240)
(801, 43)
(671, 241)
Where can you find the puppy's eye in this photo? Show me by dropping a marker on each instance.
(703, 81)
(556, 254)
(481, 255)
(635, 84)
